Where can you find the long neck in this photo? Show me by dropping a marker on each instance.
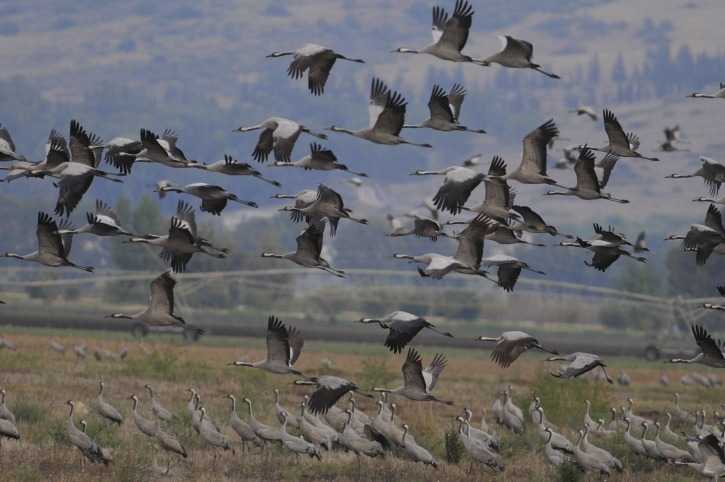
(234, 404)
(70, 415)
(345, 131)
(251, 412)
(273, 255)
(135, 404)
(429, 173)
(16, 256)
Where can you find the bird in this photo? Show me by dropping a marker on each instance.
(317, 61)
(284, 346)
(313, 429)
(437, 265)
(145, 425)
(704, 239)
(587, 111)
(232, 167)
(121, 153)
(509, 270)
(711, 350)
(212, 436)
(278, 135)
(554, 455)
(587, 185)
(213, 198)
(711, 306)
(719, 94)
(162, 150)
(620, 144)
(156, 407)
(611, 461)
(624, 379)
(445, 111)
(7, 147)
(319, 159)
(328, 204)
(578, 363)
(498, 201)
(587, 461)
(242, 428)
(102, 222)
(532, 169)
(640, 245)
(105, 409)
(386, 111)
(182, 240)
(56, 346)
(668, 451)
(89, 448)
(263, 432)
(353, 441)
(309, 249)
(5, 413)
(53, 248)
(8, 430)
(510, 345)
(712, 463)
(422, 227)
(402, 328)
(711, 171)
(449, 34)
(458, 184)
(298, 445)
(415, 451)
(418, 383)
(280, 411)
(605, 252)
(516, 54)
(329, 389)
(76, 165)
(532, 222)
(160, 310)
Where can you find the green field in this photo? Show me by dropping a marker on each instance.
(39, 382)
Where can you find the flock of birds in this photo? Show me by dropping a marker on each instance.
(73, 164)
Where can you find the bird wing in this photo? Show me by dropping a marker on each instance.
(325, 195)
(530, 217)
(70, 192)
(264, 145)
(278, 342)
(508, 274)
(299, 64)
(413, 371)
(534, 150)
(80, 142)
(309, 241)
(439, 105)
(639, 242)
(328, 393)
(296, 342)
(607, 164)
(452, 195)
(214, 206)
(185, 213)
(497, 167)
(106, 210)
(614, 130)
(402, 332)
(5, 135)
(433, 371)
(455, 32)
(455, 100)
(319, 72)
(322, 155)
(57, 152)
(180, 231)
(150, 142)
(713, 219)
(49, 241)
(586, 176)
(162, 293)
(519, 48)
(714, 175)
(471, 240)
(392, 117)
(66, 239)
(632, 140)
(379, 94)
(284, 138)
(440, 17)
(710, 348)
(604, 258)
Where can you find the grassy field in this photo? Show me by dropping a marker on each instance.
(40, 381)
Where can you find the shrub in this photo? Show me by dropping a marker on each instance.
(454, 447)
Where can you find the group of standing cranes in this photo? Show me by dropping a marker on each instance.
(73, 164)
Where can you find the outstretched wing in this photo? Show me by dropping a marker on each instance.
(455, 31)
(710, 348)
(534, 149)
(433, 371)
(162, 293)
(413, 371)
(439, 105)
(278, 346)
(614, 130)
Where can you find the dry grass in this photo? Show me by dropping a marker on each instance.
(39, 381)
